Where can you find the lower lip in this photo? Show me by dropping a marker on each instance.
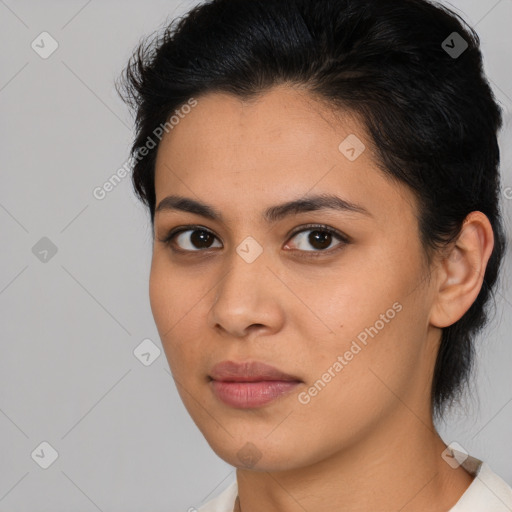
(245, 395)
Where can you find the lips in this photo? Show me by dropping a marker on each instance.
(250, 384)
(249, 371)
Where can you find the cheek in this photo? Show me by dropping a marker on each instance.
(160, 297)
(170, 294)
(351, 385)
(376, 319)
(351, 296)
(175, 305)
(166, 306)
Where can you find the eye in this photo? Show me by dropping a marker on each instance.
(320, 238)
(198, 239)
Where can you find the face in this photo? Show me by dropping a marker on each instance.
(337, 298)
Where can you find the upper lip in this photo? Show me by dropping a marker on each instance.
(249, 371)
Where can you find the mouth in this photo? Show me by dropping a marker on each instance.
(249, 384)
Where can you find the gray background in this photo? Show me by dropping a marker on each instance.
(68, 374)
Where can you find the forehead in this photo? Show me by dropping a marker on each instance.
(279, 120)
(273, 148)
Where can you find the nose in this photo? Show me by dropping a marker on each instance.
(248, 298)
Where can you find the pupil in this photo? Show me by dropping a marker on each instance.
(318, 239)
(200, 237)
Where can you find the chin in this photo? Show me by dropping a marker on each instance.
(257, 454)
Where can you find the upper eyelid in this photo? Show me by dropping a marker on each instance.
(319, 227)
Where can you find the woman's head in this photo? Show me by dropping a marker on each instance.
(275, 101)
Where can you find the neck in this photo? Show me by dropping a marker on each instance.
(397, 466)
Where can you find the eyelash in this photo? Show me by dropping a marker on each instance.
(168, 240)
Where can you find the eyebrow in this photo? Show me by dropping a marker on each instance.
(272, 214)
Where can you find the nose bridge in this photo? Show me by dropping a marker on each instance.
(243, 296)
(246, 267)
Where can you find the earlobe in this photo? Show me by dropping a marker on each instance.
(462, 270)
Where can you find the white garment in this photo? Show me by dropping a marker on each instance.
(486, 493)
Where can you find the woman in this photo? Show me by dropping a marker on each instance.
(322, 182)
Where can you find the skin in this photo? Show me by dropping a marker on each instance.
(367, 440)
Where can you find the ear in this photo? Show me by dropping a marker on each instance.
(461, 272)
